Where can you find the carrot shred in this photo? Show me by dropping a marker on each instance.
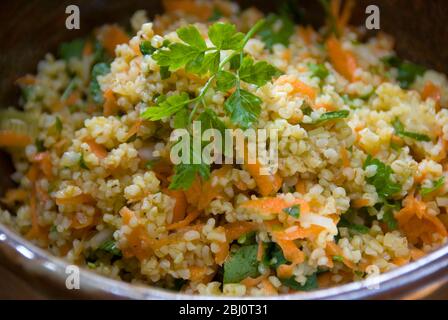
(345, 157)
(43, 159)
(211, 191)
(361, 203)
(10, 138)
(285, 271)
(99, 150)
(267, 184)
(197, 273)
(299, 87)
(270, 205)
(268, 287)
(180, 205)
(88, 49)
(416, 223)
(80, 199)
(201, 10)
(111, 36)
(296, 232)
(334, 250)
(134, 129)
(416, 254)
(343, 61)
(185, 222)
(26, 80)
(14, 195)
(110, 106)
(252, 282)
(291, 251)
(430, 90)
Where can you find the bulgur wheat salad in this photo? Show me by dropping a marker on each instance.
(362, 152)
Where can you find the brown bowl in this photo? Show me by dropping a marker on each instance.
(29, 29)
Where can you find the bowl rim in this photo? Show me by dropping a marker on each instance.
(37, 261)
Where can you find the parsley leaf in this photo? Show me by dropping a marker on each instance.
(242, 264)
(181, 119)
(389, 219)
(243, 108)
(184, 175)
(73, 49)
(209, 120)
(318, 70)
(100, 69)
(110, 246)
(407, 72)
(358, 228)
(382, 181)
(146, 48)
(177, 56)
(435, 185)
(190, 35)
(333, 115)
(400, 131)
(310, 284)
(225, 81)
(257, 73)
(225, 37)
(293, 211)
(277, 29)
(166, 107)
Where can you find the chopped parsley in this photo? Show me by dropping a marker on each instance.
(241, 264)
(72, 49)
(110, 246)
(293, 211)
(333, 115)
(400, 131)
(435, 186)
(310, 284)
(100, 69)
(278, 29)
(407, 71)
(382, 180)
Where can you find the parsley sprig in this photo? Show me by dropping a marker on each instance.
(224, 74)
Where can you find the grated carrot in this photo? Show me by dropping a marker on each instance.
(343, 61)
(10, 138)
(14, 195)
(134, 129)
(43, 159)
(185, 222)
(202, 10)
(111, 36)
(299, 87)
(99, 150)
(270, 205)
(110, 106)
(180, 205)
(334, 250)
(80, 199)
(430, 90)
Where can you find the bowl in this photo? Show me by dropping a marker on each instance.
(29, 29)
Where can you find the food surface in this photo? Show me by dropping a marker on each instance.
(362, 152)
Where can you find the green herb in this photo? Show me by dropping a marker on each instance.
(100, 69)
(357, 228)
(310, 284)
(73, 49)
(178, 284)
(100, 54)
(338, 258)
(333, 115)
(225, 81)
(184, 175)
(58, 124)
(40, 145)
(278, 29)
(91, 265)
(165, 73)
(193, 54)
(243, 107)
(390, 220)
(166, 106)
(82, 162)
(209, 120)
(273, 256)
(258, 73)
(146, 48)
(68, 91)
(382, 180)
(216, 15)
(435, 186)
(293, 211)
(181, 119)
(241, 264)
(319, 70)
(400, 131)
(110, 246)
(407, 72)
(247, 238)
